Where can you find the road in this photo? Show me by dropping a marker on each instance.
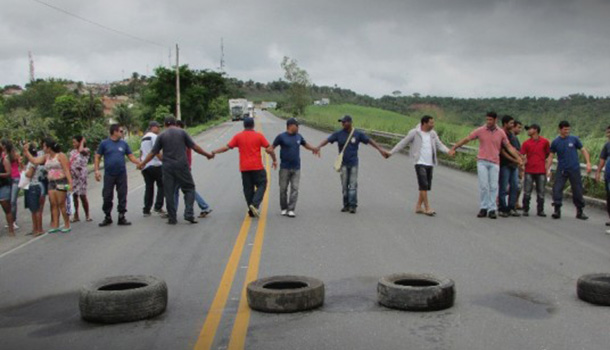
(515, 277)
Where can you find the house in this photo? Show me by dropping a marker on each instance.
(111, 102)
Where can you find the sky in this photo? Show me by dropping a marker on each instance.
(459, 48)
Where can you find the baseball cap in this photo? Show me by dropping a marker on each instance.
(346, 118)
(292, 121)
(248, 122)
(533, 126)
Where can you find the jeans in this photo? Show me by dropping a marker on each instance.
(540, 181)
(608, 196)
(255, 184)
(575, 182)
(152, 175)
(174, 178)
(509, 185)
(349, 184)
(14, 196)
(110, 182)
(488, 174)
(201, 203)
(289, 177)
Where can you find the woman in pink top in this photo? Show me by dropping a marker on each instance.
(60, 181)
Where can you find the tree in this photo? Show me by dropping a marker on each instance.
(124, 116)
(298, 93)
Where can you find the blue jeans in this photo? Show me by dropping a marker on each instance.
(14, 196)
(488, 174)
(200, 201)
(349, 184)
(509, 185)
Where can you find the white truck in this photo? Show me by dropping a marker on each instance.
(238, 108)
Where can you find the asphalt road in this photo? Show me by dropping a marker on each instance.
(515, 277)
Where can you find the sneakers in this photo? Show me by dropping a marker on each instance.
(254, 211)
(504, 214)
(291, 214)
(352, 210)
(146, 214)
(541, 214)
(514, 213)
(160, 211)
(482, 213)
(250, 213)
(15, 227)
(123, 222)
(172, 222)
(492, 214)
(107, 222)
(205, 213)
(284, 212)
(345, 209)
(191, 220)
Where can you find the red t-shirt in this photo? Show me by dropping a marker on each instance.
(536, 151)
(249, 143)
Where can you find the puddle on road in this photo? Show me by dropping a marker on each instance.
(519, 304)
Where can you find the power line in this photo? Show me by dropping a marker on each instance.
(116, 31)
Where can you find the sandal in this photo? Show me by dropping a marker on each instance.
(430, 213)
(53, 230)
(66, 230)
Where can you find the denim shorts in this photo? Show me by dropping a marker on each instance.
(5, 193)
(32, 198)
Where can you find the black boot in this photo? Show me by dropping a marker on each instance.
(580, 214)
(123, 221)
(557, 213)
(107, 221)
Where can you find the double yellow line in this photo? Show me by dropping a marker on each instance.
(215, 313)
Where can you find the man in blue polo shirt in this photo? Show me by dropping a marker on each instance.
(114, 150)
(290, 143)
(349, 165)
(566, 147)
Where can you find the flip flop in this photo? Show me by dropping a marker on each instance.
(74, 220)
(430, 213)
(66, 230)
(53, 230)
(89, 219)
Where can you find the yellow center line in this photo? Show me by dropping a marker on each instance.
(215, 313)
(206, 336)
(242, 320)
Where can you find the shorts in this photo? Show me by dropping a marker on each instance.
(5, 193)
(32, 198)
(55, 184)
(424, 176)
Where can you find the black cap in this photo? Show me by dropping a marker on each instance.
(292, 121)
(533, 126)
(346, 118)
(248, 122)
(153, 124)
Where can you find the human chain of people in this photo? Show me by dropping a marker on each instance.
(505, 168)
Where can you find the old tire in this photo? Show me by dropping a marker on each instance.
(284, 294)
(123, 299)
(594, 288)
(416, 292)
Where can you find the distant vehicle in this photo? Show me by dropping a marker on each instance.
(250, 106)
(268, 105)
(238, 108)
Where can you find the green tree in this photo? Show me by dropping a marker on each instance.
(124, 116)
(298, 93)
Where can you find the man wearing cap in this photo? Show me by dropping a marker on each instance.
(176, 171)
(152, 172)
(349, 165)
(253, 174)
(290, 143)
(535, 150)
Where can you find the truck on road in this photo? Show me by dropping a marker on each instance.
(238, 108)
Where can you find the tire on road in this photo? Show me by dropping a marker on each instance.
(284, 294)
(594, 288)
(416, 292)
(123, 299)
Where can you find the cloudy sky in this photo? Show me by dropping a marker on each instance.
(462, 48)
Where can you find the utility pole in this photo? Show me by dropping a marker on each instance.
(222, 56)
(31, 66)
(178, 115)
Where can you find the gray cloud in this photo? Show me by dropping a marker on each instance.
(458, 48)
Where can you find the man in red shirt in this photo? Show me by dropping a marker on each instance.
(536, 151)
(253, 174)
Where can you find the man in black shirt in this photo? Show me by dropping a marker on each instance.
(509, 172)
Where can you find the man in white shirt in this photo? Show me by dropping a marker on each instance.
(152, 172)
(424, 143)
